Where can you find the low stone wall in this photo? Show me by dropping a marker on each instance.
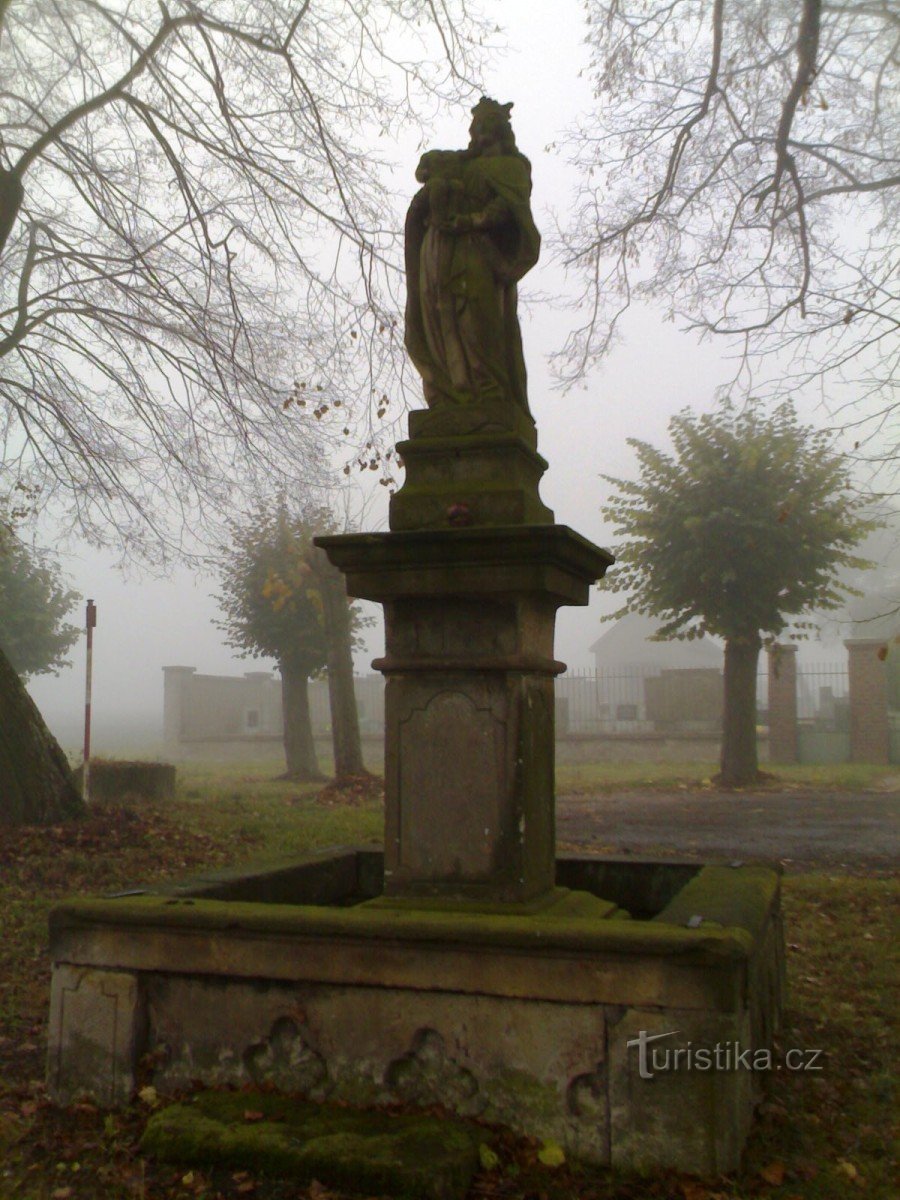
(112, 780)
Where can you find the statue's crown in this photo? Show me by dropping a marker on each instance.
(488, 109)
(492, 119)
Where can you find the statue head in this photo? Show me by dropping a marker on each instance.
(491, 127)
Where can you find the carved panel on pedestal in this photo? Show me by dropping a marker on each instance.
(451, 776)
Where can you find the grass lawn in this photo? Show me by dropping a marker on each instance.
(820, 1136)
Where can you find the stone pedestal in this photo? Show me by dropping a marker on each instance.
(469, 730)
(472, 465)
(470, 579)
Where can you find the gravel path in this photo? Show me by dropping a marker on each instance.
(802, 829)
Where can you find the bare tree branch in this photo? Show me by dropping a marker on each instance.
(777, 227)
(198, 259)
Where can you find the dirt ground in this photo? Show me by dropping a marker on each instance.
(803, 829)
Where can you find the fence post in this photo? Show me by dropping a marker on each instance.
(782, 698)
(870, 739)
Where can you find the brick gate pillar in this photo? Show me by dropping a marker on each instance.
(782, 694)
(869, 728)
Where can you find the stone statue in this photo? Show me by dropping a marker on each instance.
(470, 238)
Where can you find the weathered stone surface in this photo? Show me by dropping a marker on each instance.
(690, 1119)
(546, 954)
(473, 480)
(469, 711)
(469, 237)
(504, 1011)
(515, 1062)
(409, 1157)
(485, 742)
(514, 561)
(95, 1026)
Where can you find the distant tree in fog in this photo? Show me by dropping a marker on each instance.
(282, 599)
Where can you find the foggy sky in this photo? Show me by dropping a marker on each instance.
(146, 623)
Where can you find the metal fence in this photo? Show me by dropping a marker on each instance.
(639, 699)
(823, 694)
(608, 701)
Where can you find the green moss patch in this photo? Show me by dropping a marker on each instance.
(409, 1157)
(727, 897)
(559, 904)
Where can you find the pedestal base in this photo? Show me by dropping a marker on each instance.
(469, 702)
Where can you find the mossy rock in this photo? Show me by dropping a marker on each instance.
(112, 780)
(375, 1153)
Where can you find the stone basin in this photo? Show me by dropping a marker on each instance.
(304, 976)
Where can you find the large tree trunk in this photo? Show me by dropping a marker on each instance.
(348, 759)
(299, 747)
(36, 784)
(739, 766)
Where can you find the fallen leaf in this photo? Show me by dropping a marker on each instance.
(251, 1114)
(847, 1168)
(694, 1191)
(148, 1095)
(773, 1174)
(63, 1193)
(551, 1154)
(489, 1160)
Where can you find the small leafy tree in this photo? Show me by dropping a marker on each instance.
(281, 599)
(34, 603)
(737, 533)
(37, 784)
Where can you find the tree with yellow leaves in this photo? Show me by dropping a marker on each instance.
(282, 599)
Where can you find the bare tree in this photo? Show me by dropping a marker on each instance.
(194, 238)
(743, 167)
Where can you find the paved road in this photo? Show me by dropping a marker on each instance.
(802, 829)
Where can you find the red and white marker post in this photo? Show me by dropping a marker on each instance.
(90, 621)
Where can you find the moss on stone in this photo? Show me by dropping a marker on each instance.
(579, 933)
(558, 904)
(518, 1097)
(726, 898)
(410, 1157)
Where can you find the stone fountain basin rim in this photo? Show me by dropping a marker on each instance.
(709, 943)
